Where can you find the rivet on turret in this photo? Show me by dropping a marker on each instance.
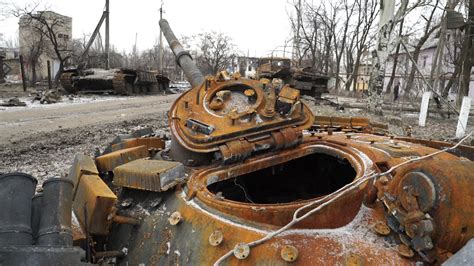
(405, 251)
(215, 239)
(381, 228)
(241, 251)
(175, 218)
(289, 253)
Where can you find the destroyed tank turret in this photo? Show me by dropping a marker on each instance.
(307, 79)
(252, 177)
(117, 81)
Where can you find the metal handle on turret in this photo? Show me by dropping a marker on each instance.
(184, 59)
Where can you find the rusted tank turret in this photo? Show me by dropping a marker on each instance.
(252, 177)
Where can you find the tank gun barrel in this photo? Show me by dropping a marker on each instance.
(184, 59)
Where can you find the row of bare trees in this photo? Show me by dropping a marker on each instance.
(212, 52)
(339, 37)
(334, 36)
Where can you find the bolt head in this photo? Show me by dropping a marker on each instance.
(175, 218)
(289, 253)
(215, 239)
(241, 251)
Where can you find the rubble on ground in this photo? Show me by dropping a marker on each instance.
(47, 97)
(13, 102)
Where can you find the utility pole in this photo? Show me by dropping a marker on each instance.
(107, 44)
(105, 16)
(160, 49)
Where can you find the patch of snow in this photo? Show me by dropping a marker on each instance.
(168, 244)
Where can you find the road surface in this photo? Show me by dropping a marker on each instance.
(17, 123)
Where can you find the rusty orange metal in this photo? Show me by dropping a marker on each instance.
(96, 201)
(150, 175)
(289, 94)
(199, 130)
(82, 165)
(108, 162)
(150, 143)
(433, 201)
(343, 233)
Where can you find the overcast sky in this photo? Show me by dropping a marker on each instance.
(256, 26)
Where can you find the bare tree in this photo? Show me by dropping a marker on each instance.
(429, 28)
(360, 37)
(328, 33)
(36, 48)
(49, 25)
(11, 42)
(395, 58)
(217, 50)
(340, 40)
(313, 25)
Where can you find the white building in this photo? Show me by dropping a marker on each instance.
(425, 64)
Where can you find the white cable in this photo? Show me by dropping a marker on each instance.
(337, 194)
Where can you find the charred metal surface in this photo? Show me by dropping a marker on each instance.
(55, 222)
(16, 191)
(49, 215)
(93, 204)
(38, 256)
(122, 137)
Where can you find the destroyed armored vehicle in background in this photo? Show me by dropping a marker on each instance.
(124, 81)
(250, 177)
(118, 81)
(307, 79)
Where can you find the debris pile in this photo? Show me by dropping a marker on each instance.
(13, 102)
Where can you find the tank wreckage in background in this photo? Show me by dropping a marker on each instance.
(252, 177)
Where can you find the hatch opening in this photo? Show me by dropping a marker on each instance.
(308, 177)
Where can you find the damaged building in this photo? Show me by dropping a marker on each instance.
(42, 35)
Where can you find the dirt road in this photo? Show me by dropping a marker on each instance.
(42, 140)
(19, 122)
